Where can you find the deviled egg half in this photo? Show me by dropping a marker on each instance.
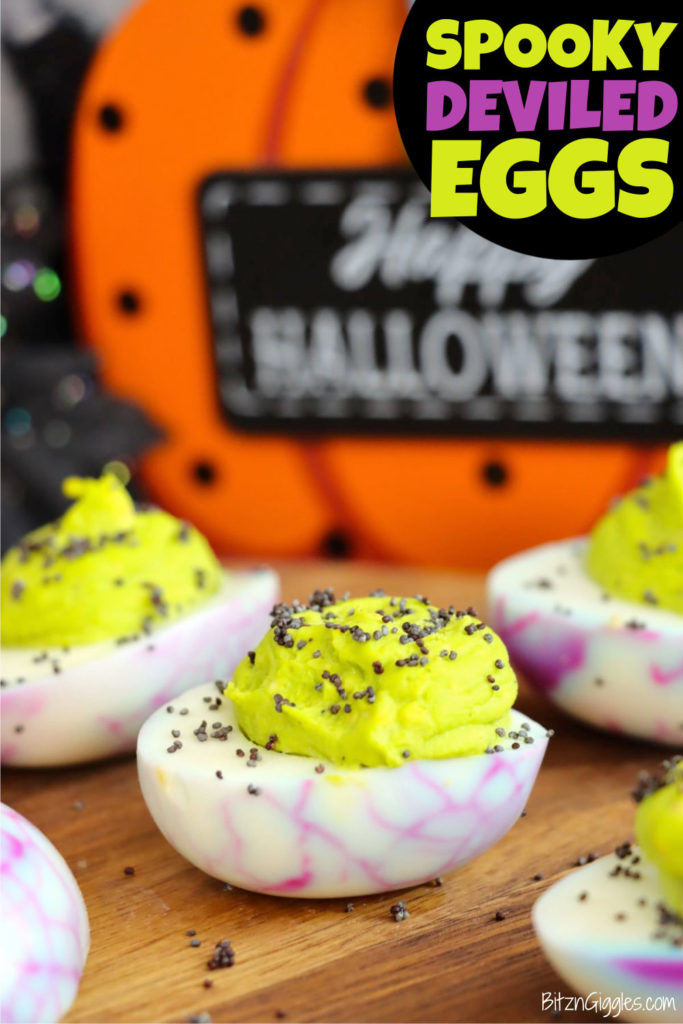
(614, 929)
(597, 623)
(108, 613)
(364, 745)
(44, 930)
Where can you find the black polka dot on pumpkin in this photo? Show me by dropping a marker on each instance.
(377, 93)
(110, 117)
(251, 20)
(495, 474)
(204, 472)
(128, 302)
(336, 544)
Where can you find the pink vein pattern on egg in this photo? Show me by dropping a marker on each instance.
(663, 973)
(612, 663)
(94, 708)
(44, 933)
(203, 660)
(340, 832)
(546, 648)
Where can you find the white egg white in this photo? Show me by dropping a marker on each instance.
(298, 826)
(44, 930)
(615, 664)
(603, 930)
(64, 706)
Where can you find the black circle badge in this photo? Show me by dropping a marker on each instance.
(551, 136)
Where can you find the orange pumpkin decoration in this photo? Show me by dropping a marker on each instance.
(178, 92)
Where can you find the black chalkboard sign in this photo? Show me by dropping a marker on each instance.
(338, 305)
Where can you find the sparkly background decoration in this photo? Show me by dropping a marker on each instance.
(56, 420)
(34, 301)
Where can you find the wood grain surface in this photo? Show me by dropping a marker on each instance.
(310, 960)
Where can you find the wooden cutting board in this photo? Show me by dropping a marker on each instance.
(312, 960)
